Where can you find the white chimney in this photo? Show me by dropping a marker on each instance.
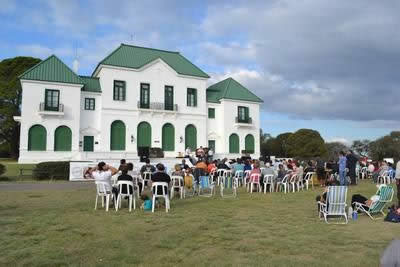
(75, 65)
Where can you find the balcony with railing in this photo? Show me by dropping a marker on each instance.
(50, 110)
(157, 106)
(246, 122)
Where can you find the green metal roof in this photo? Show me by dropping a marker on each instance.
(230, 89)
(51, 69)
(92, 84)
(135, 57)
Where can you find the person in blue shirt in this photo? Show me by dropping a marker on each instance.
(342, 168)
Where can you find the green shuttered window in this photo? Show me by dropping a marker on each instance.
(144, 134)
(90, 104)
(51, 99)
(63, 139)
(243, 114)
(118, 134)
(249, 143)
(119, 90)
(144, 95)
(191, 137)
(37, 138)
(168, 137)
(233, 143)
(211, 113)
(169, 98)
(191, 97)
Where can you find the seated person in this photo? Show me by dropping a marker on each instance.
(281, 173)
(201, 164)
(247, 165)
(309, 167)
(268, 170)
(178, 171)
(365, 201)
(161, 176)
(125, 177)
(223, 165)
(184, 166)
(147, 167)
(211, 166)
(103, 173)
(122, 163)
(237, 166)
(321, 198)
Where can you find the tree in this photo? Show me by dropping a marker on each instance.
(10, 99)
(282, 144)
(387, 146)
(361, 147)
(333, 149)
(306, 143)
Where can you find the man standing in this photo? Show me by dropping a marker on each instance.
(342, 168)
(398, 181)
(351, 165)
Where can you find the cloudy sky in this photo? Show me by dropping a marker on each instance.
(328, 65)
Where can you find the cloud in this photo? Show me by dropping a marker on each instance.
(342, 140)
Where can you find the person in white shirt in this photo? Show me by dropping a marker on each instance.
(103, 173)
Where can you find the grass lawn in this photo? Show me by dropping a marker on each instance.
(62, 228)
(12, 172)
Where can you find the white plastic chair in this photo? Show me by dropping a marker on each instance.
(154, 188)
(293, 183)
(239, 176)
(364, 173)
(130, 193)
(136, 179)
(308, 179)
(146, 179)
(102, 192)
(206, 183)
(268, 180)
(254, 181)
(384, 178)
(177, 183)
(246, 178)
(284, 183)
(220, 174)
(299, 183)
(228, 182)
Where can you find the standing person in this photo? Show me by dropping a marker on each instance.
(398, 181)
(321, 171)
(351, 165)
(342, 168)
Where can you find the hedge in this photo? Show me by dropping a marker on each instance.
(2, 169)
(57, 170)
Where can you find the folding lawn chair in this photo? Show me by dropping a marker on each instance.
(335, 203)
(385, 196)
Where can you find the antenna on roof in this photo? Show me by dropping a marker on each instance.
(75, 63)
(131, 36)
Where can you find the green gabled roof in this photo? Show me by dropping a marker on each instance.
(135, 57)
(92, 84)
(51, 69)
(230, 89)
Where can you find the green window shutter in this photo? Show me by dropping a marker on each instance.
(51, 99)
(88, 143)
(37, 138)
(191, 137)
(143, 134)
(169, 98)
(168, 137)
(63, 139)
(144, 95)
(195, 97)
(118, 136)
(246, 113)
(249, 143)
(233, 143)
(119, 90)
(191, 97)
(211, 113)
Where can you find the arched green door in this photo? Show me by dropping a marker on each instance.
(118, 136)
(37, 138)
(233, 143)
(168, 137)
(249, 143)
(62, 139)
(144, 134)
(191, 137)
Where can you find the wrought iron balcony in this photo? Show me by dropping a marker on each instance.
(157, 106)
(44, 108)
(243, 120)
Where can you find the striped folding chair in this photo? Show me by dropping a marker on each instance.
(335, 203)
(228, 183)
(385, 196)
(206, 183)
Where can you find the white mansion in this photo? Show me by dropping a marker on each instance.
(136, 97)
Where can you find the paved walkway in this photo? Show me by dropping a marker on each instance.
(44, 186)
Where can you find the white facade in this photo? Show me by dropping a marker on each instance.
(97, 123)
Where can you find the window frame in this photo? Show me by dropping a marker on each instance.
(168, 106)
(46, 106)
(88, 101)
(117, 94)
(191, 91)
(142, 89)
(246, 114)
(212, 113)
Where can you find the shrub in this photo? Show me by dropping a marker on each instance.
(2, 169)
(58, 170)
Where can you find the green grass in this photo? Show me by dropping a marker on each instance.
(12, 172)
(62, 228)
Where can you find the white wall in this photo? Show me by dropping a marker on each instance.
(33, 93)
(90, 122)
